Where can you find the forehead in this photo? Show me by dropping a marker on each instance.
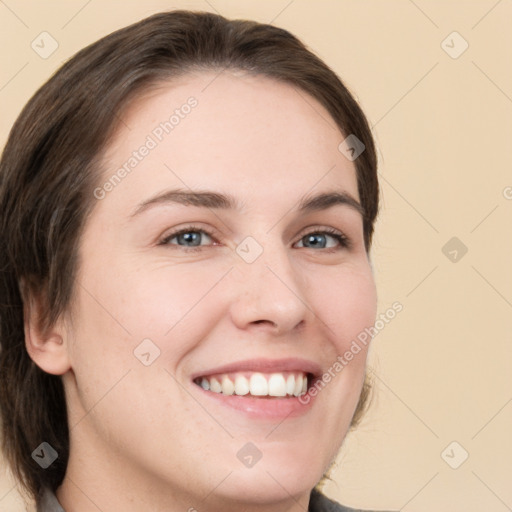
(251, 134)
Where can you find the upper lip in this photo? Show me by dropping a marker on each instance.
(264, 366)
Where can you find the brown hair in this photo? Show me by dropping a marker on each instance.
(50, 166)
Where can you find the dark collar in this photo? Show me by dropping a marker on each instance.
(321, 503)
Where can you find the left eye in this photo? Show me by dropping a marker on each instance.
(319, 239)
(190, 238)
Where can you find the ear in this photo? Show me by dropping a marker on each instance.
(46, 346)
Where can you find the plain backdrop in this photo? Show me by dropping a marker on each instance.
(434, 78)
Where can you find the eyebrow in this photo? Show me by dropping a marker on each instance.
(216, 200)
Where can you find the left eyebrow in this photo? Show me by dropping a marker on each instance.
(216, 200)
(326, 200)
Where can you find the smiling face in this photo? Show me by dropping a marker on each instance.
(207, 269)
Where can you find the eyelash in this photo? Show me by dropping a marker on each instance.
(344, 242)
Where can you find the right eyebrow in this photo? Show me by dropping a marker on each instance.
(205, 199)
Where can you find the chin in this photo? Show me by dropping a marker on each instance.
(277, 476)
(260, 487)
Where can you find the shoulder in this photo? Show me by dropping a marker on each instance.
(320, 503)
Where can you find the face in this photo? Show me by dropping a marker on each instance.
(190, 310)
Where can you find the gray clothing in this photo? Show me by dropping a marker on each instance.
(49, 502)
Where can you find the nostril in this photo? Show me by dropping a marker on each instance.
(273, 324)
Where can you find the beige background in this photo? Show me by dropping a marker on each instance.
(444, 130)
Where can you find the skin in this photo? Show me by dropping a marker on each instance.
(145, 437)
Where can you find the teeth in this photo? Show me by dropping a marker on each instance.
(228, 388)
(215, 386)
(298, 386)
(257, 384)
(241, 385)
(290, 384)
(277, 385)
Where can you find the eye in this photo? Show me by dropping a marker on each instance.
(319, 239)
(189, 238)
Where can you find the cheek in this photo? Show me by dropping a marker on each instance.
(348, 306)
(173, 306)
(347, 303)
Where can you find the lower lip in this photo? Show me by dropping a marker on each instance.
(264, 408)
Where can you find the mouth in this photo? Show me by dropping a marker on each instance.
(262, 388)
(284, 384)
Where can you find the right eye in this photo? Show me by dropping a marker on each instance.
(189, 238)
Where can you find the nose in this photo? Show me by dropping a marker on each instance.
(269, 293)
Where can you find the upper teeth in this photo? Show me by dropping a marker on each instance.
(257, 384)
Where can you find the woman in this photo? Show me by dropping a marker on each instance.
(187, 209)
